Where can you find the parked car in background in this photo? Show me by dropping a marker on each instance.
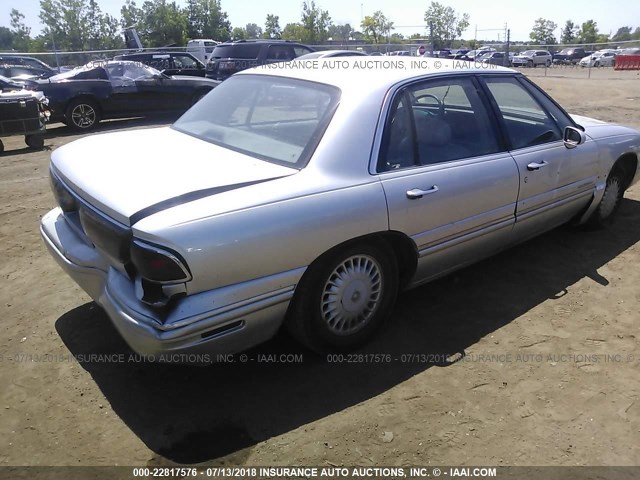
(297, 197)
(231, 57)
(570, 55)
(532, 58)
(201, 48)
(460, 53)
(332, 53)
(116, 89)
(169, 63)
(23, 72)
(24, 61)
(602, 58)
(400, 53)
(494, 58)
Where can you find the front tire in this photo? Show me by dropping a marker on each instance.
(344, 298)
(604, 214)
(82, 114)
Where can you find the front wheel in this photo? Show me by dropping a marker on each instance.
(82, 114)
(344, 298)
(604, 214)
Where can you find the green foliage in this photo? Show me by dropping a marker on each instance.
(238, 33)
(376, 27)
(294, 31)
(341, 33)
(315, 23)
(542, 32)
(206, 19)
(588, 32)
(569, 32)
(21, 33)
(272, 27)
(253, 30)
(445, 23)
(6, 39)
(623, 34)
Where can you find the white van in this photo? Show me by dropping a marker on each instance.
(201, 48)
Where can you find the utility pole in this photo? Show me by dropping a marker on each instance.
(431, 36)
(506, 50)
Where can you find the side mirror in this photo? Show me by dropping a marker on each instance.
(573, 137)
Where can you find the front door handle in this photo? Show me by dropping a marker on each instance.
(537, 166)
(417, 193)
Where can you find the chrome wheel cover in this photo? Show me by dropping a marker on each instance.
(610, 197)
(83, 115)
(351, 295)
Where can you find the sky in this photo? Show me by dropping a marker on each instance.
(487, 16)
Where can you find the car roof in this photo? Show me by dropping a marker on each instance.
(351, 73)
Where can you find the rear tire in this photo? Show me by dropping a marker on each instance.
(34, 141)
(344, 297)
(82, 114)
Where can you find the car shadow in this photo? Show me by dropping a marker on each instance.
(190, 414)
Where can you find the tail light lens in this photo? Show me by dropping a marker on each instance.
(157, 264)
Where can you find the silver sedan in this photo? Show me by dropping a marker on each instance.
(308, 198)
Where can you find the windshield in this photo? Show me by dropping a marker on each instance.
(272, 118)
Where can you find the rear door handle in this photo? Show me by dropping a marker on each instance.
(417, 193)
(537, 166)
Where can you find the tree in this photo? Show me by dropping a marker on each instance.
(623, 34)
(130, 14)
(6, 39)
(341, 33)
(163, 23)
(206, 19)
(569, 32)
(21, 33)
(253, 30)
(376, 26)
(588, 32)
(238, 33)
(636, 34)
(445, 23)
(542, 32)
(293, 31)
(315, 23)
(272, 27)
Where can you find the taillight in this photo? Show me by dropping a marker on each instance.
(66, 201)
(158, 264)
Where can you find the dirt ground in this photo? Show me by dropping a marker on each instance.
(548, 330)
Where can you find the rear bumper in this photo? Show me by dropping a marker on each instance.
(221, 321)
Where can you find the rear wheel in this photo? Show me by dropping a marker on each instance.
(34, 141)
(82, 114)
(610, 202)
(344, 298)
(530, 64)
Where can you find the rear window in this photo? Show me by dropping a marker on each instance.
(272, 118)
(247, 50)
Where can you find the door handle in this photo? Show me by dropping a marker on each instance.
(417, 193)
(537, 166)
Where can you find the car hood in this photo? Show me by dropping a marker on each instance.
(133, 174)
(599, 129)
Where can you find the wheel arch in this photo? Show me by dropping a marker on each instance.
(627, 163)
(402, 248)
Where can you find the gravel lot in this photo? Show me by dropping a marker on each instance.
(549, 330)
